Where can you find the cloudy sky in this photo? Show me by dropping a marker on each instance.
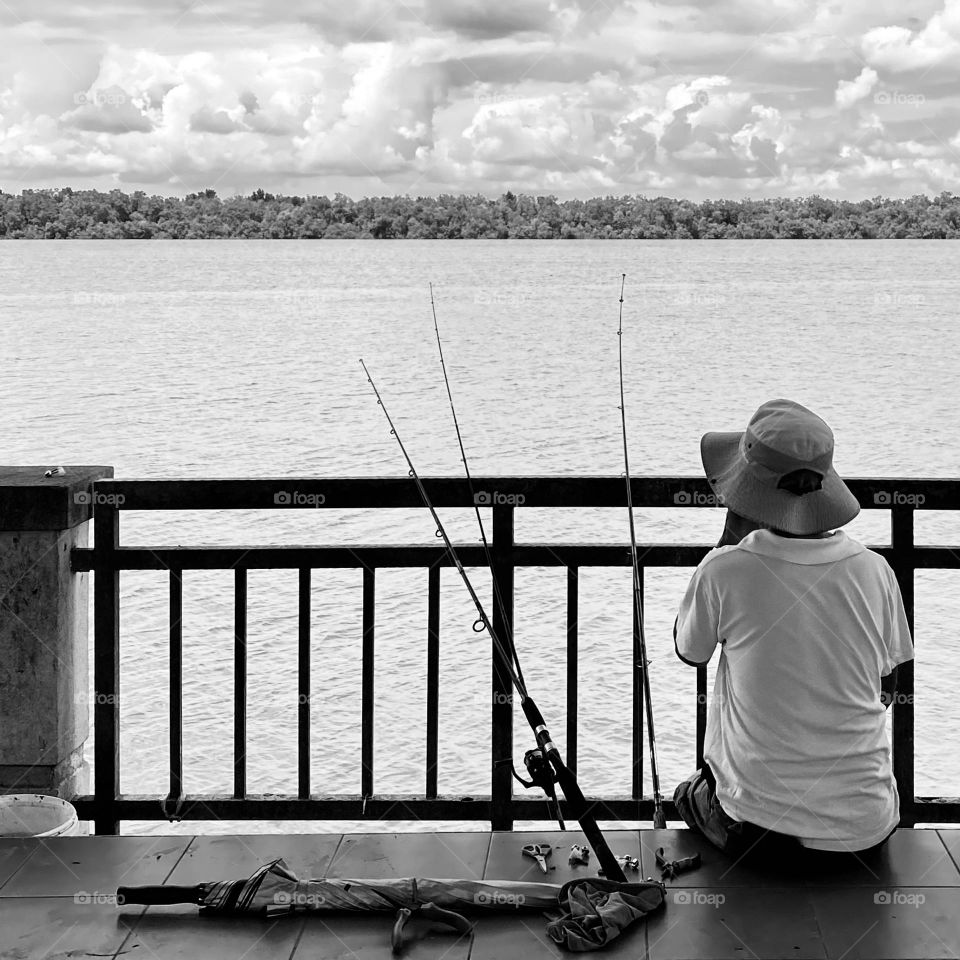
(571, 97)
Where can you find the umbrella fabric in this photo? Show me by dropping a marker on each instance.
(596, 911)
(274, 889)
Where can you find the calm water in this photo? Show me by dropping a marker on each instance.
(218, 359)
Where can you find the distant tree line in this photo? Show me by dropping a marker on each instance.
(66, 213)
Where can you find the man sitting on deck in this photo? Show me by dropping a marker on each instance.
(811, 629)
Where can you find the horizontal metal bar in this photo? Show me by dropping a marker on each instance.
(429, 555)
(312, 493)
(394, 807)
(411, 807)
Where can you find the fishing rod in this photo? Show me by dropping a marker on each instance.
(540, 772)
(564, 776)
(640, 640)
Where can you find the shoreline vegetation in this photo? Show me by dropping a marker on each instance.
(65, 213)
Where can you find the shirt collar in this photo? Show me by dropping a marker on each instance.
(838, 546)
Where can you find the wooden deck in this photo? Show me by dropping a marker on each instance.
(55, 899)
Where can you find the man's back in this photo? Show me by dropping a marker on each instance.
(796, 732)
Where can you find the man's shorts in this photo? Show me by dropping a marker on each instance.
(696, 801)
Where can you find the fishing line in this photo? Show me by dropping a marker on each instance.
(476, 508)
(640, 645)
(507, 659)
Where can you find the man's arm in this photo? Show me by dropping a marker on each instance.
(698, 622)
(680, 656)
(888, 688)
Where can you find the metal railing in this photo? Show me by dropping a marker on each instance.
(107, 806)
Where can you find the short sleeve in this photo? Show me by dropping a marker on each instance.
(698, 621)
(899, 644)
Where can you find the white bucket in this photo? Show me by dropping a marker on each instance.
(34, 815)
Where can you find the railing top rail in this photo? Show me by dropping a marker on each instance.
(531, 491)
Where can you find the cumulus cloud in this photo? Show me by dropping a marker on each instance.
(850, 91)
(900, 48)
(562, 96)
(107, 110)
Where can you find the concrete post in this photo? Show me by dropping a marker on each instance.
(44, 669)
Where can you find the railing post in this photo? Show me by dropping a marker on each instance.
(106, 668)
(44, 664)
(901, 540)
(501, 705)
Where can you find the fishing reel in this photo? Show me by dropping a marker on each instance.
(542, 775)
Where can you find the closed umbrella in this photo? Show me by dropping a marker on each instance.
(274, 890)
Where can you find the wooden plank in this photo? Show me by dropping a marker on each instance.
(881, 924)
(55, 928)
(14, 853)
(909, 858)
(240, 683)
(215, 857)
(433, 679)
(382, 855)
(770, 922)
(62, 866)
(106, 669)
(303, 695)
(506, 861)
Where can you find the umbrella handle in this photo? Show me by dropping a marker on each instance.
(429, 911)
(159, 894)
(440, 915)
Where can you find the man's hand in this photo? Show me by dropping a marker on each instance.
(888, 688)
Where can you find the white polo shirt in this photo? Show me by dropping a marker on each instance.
(796, 733)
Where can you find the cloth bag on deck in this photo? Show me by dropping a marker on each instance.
(596, 911)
